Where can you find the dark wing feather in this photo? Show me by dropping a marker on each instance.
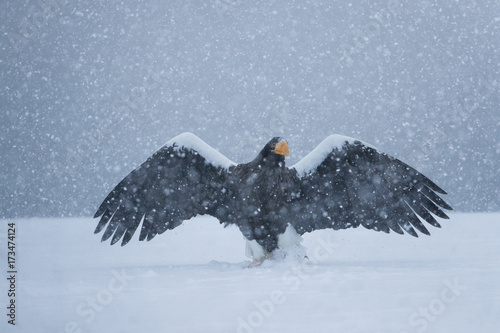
(345, 183)
(175, 184)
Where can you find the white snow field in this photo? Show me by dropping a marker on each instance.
(194, 279)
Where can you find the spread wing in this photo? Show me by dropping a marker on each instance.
(346, 183)
(182, 179)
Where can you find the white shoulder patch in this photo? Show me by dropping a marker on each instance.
(312, 160)
(190, 141)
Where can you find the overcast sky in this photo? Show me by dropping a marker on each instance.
(90, 89)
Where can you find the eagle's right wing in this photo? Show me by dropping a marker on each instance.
(346, 183)
(182, 179)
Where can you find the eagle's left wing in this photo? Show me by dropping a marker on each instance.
(346, 183)
(182, 179)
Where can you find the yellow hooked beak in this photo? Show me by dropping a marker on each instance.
(281, 148)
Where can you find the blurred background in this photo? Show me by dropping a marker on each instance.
(90, 89)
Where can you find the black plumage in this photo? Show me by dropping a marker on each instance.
(343, 183)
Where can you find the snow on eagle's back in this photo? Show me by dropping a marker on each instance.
(190, 141)
(312, 160)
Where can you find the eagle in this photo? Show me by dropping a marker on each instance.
(342, 183)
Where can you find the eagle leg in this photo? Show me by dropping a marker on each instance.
(257, 252)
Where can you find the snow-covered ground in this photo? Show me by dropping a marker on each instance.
(194, 279)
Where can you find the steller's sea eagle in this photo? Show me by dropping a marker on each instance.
(343, 183)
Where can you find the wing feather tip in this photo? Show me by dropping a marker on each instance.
(105, 237)
(399, 232)
(412, 233)
(426, 232)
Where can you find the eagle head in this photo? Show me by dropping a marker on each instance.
(279, 146)
(274, 150)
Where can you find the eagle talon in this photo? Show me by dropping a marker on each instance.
(255, 263)
(260, 260)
